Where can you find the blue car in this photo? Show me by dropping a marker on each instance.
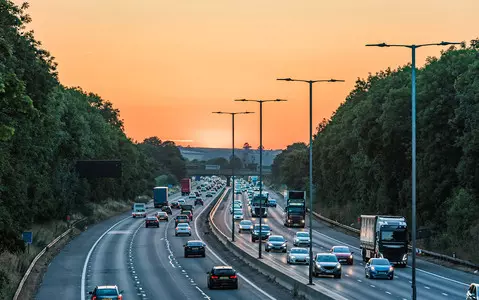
(379, 268)
(272, 202)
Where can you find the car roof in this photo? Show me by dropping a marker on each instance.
(223, 267)
(339, 247)
(299, 248)
(325, 254)
(183, 224)
(194, 241)
(106, 287)
(151, 217)
(276, 236)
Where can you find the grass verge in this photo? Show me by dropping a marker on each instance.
(14, 265)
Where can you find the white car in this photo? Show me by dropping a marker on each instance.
(238, 214)
(245, 225)
(192, 196)
(298, 256)
(302, 238)
(238, 203)
(182, 228)
(181, 201)
(234, 207)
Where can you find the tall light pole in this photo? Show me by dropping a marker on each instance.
(260, 162)
(233, 163)
(413, 48)
(310, 82)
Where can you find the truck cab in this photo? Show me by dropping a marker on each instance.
(139, 210)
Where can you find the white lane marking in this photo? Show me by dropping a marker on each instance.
(119, 232)
(224, 263)
(133, 272)
(87, 259)
(389, 293)
(372, 285)
(445, 294)
(359, 280)
(420, 270)
(426, 287)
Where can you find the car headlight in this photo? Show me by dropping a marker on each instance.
(350, 257)
(372, 268)
(338, 266)
(293, 257)
(269, 244)
(302, 221)
(391, 269)
(284, 244)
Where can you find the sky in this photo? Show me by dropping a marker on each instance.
(168, 64)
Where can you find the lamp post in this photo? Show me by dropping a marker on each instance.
(413, 48)
(310, 82)
(260, 162)
(232, 165)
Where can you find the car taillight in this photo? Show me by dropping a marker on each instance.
(233, 276)
(214, 277)
(93, 298)
(120, 297)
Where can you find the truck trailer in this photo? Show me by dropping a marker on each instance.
(160, 196)
(295, 210)
(384, 237)
(185, 184)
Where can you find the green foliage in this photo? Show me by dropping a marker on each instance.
(235, 162)
(220, 161)
(45, 128)
(362, 155)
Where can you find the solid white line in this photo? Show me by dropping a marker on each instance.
(223, 262)
(87, 259)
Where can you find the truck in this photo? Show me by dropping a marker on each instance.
(384, 237)
(160, 196)
(139, 210)
(259, 206)
(295, 209)
(185, 184)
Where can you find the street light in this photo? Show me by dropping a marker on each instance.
(260, 161)
(233, 165)
(413, 144)
(310, 82)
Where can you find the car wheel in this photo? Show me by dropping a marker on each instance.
(236, 286)
(391, 278)
(284, 251)
(190, 234)
(287, 261)
(186, 255)
(176, 234)
(204, 255)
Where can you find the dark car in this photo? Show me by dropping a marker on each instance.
(106, 292)
(152, 221)
(199, 201)
(187, 212)
(222, 276)
(343, 254)
(209, 195)
(276, 242)
(175, 204)
(326, 264)
(265, 232)
(194, 248)
(167, 209)
(272, 203)
(182, 219)
(379, 268)
(197, 194)
(162, 216)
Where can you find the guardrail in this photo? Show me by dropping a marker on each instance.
(286, 281)
(39, 255)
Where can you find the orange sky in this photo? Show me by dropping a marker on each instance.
(167, 64)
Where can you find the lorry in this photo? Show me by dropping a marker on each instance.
(259, 206)
(160, 196)
(384, 237)
(139, 210)
(185, 184)
(295, 210)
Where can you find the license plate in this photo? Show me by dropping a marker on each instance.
(195, 248)
(224, 277)
(107, 299)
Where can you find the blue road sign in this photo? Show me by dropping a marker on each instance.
(170, 186)
(27, 237)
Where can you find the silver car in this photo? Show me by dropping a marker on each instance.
(276, 242)
(302, 238)
(238, 215)
(245, 225)
(298, 256)
(183, 228)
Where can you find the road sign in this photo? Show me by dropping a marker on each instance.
(212, 167)
(27, 237)
(170, 186)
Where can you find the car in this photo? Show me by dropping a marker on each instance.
(343, 254)
(473, 292)
(379, 268)
(272, 203)
(239, 203)
(181, 202)
(183, 228)
(175, 204)
(192, 196)
(265, 232)
(152, 221)
(197, 194)
(238, 192)
(222, 276)
(162, 216)
(234, 207)
(187, 212)
(238, 214)
(245, 225)
(298, 256)
(302, 238)
(199, 201)
(276, 242)
(195, 248)
(182, 219)
(167, 209)
(326, 264)
(106, 292)
(209, 195)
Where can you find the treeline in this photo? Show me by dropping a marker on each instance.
(362, 155)
(46, 127)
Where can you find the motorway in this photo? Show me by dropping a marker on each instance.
(147, 263)
(433, 281)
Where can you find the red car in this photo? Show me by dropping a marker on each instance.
(343, 254)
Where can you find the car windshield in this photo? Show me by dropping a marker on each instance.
(394, 236)
(341, 250)
(276, 239)
(326, 258)
(272, 201)
(106, 292)
(246, 222)
(182, 217)
(263, 228)
(162, 213)
(302, 234)
(183, 225)
(380, 262)
(299, 251)
(195, 244)
(223, 272)
(151, 218)
(238, 212)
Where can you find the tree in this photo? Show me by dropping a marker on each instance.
(236, 163)
(220, 161)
